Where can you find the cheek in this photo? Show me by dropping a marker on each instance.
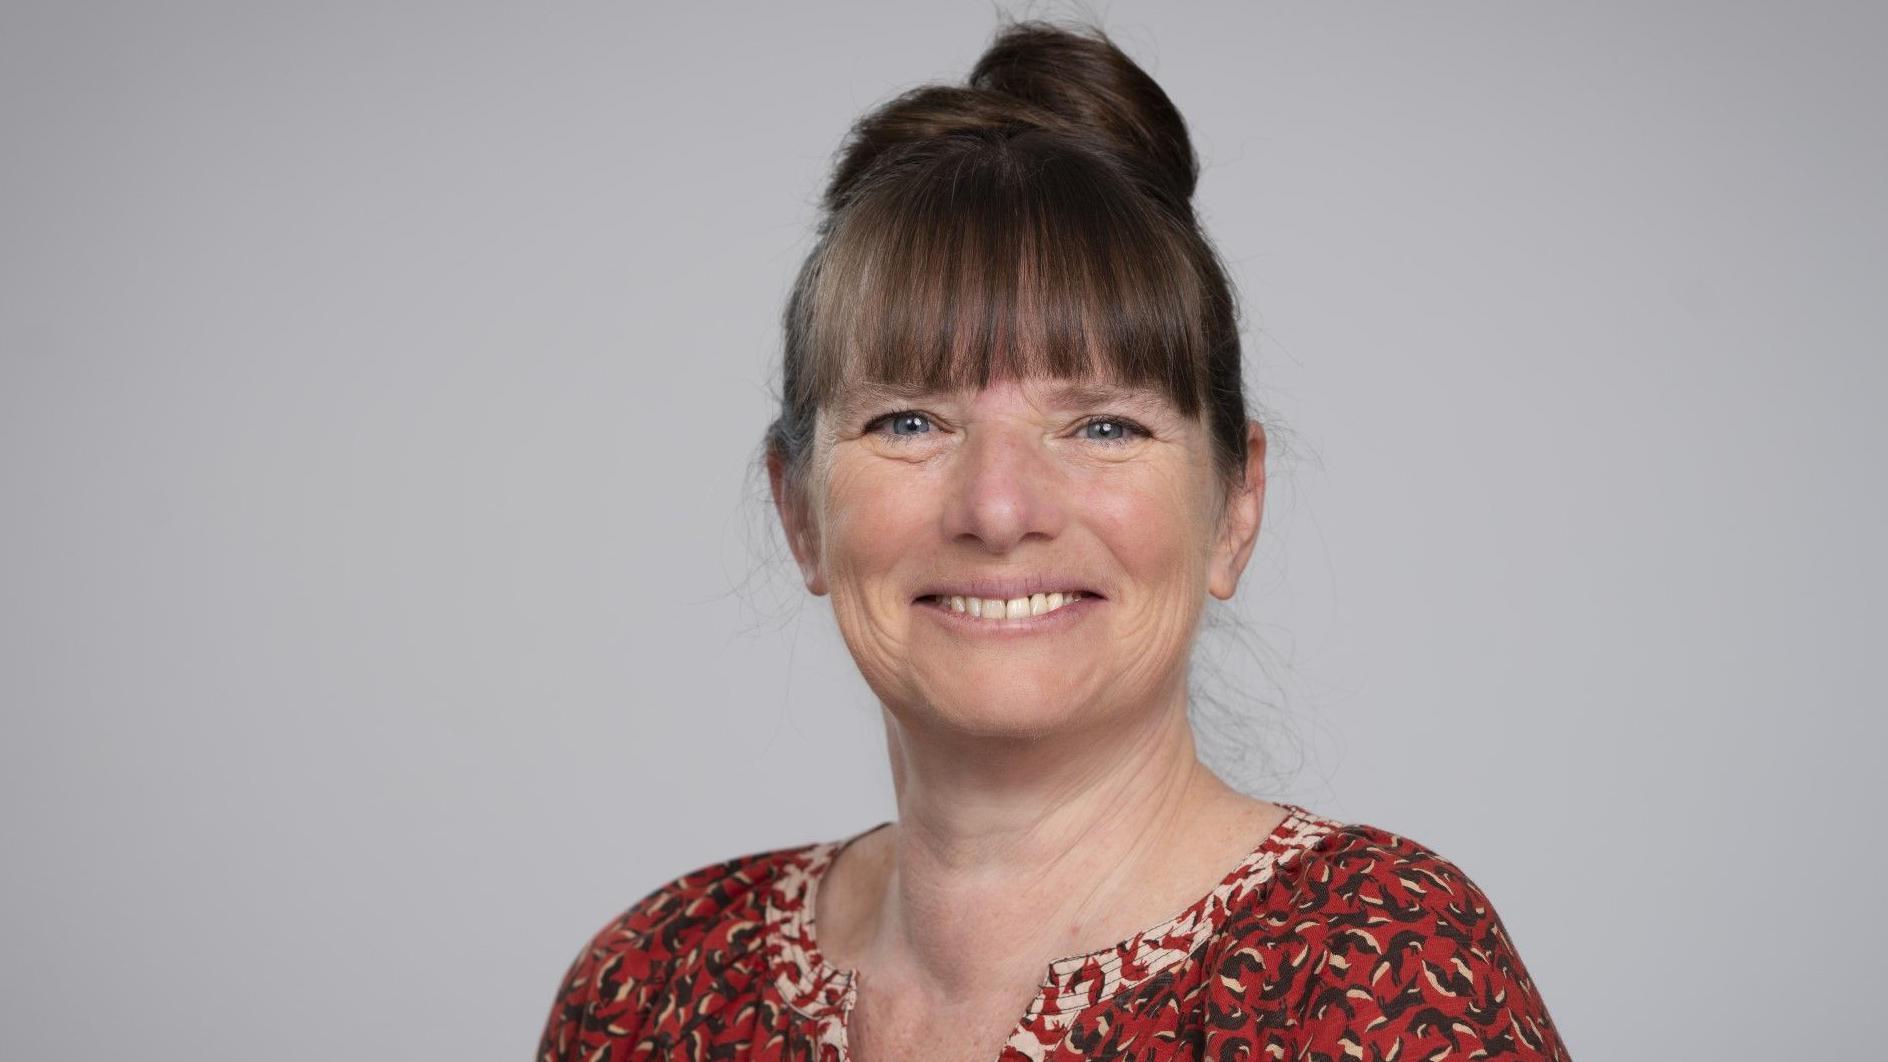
(870, 527)
(872, 517)
(1152, 526)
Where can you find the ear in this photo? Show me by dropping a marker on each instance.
(795, 521)
(1240, 528)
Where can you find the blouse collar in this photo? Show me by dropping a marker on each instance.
(817, 989)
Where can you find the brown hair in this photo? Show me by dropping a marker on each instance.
(1036, 221)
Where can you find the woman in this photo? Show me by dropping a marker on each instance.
(1013, 450)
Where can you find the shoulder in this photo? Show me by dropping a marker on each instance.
(1367, 891)
(676, 916)
(710, 916)
(1403, 950)
(678, 912)
(1355, 867)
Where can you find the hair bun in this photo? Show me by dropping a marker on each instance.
(1072, 81)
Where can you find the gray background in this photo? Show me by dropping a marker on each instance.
(387, 598)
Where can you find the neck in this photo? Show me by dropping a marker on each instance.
(1052, 846)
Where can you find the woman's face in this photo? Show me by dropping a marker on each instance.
(1029, 486)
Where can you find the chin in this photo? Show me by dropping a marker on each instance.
(1008, 708)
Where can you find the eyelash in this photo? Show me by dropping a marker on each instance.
(1131, 426)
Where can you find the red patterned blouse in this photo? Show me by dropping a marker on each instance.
(1329, 941)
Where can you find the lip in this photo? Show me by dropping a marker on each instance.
(1012, 587)
(1010, 626)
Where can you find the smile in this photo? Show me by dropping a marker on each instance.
(954, 613)
(993, 608)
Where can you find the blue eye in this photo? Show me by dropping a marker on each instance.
(1121, 430)
(907, 418)
(909, 423)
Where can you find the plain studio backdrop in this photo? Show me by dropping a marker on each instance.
(387, 599)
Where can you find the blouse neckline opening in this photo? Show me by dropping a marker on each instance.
(815, 987)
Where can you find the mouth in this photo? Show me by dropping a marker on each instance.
(1023, 607)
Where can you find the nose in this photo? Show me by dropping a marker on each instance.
(1003, 489)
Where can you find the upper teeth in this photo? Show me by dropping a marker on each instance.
(1013, 608)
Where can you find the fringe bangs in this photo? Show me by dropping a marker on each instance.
(1013, 259)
